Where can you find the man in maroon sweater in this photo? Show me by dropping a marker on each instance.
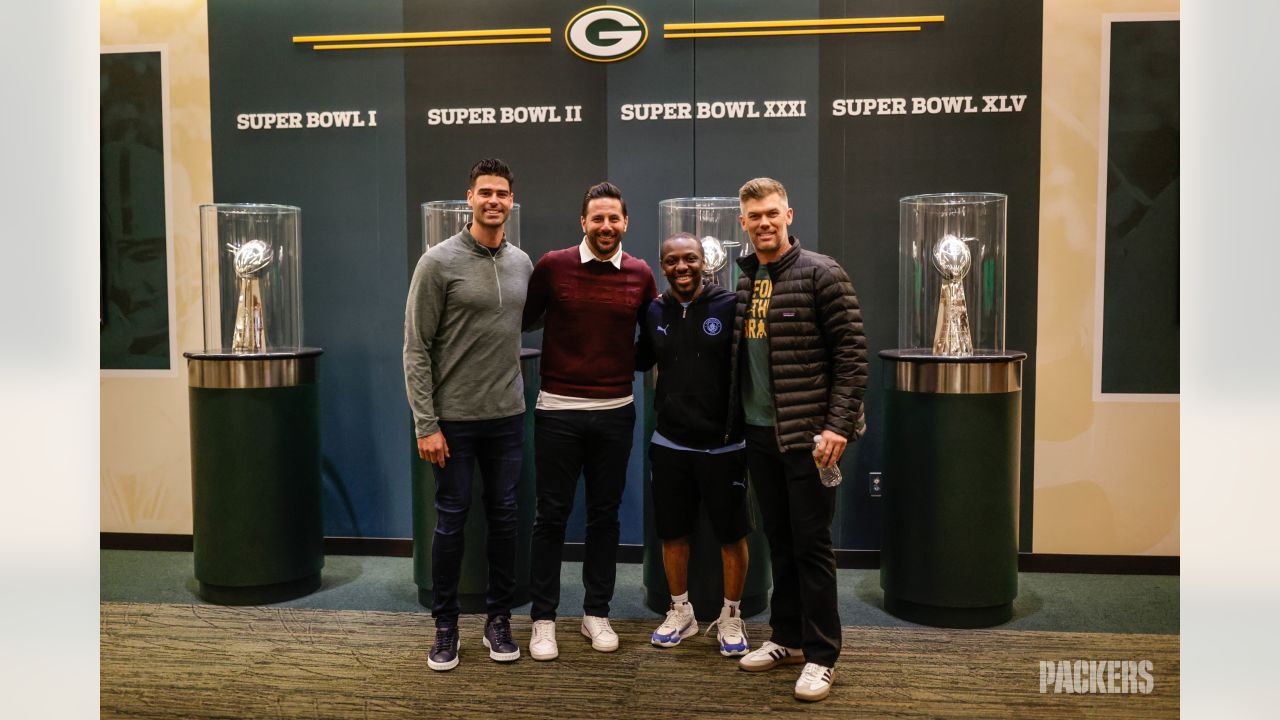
(591, 297)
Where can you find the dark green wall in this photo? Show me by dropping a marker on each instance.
(360, 189)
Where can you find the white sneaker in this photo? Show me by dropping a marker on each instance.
(679, 625)
(603, 638)
(770, 655)
(731, 632)
(542, 644)
(815, 682)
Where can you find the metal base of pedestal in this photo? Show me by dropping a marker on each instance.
(474, 578)
(258, 594)
(948, 617)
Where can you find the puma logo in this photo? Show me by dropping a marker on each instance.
(663, 328)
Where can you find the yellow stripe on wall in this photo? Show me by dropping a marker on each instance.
(803, 23)
(435, 43)
(419, 35)
(816, 31)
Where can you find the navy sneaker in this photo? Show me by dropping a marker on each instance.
(444, 654)
(497, 637)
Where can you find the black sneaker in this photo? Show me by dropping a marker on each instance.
(444, 654)
(497, 637)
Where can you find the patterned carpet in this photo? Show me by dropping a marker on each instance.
(199, 661)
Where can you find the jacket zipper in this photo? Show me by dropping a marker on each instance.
(496, 280)
(773, 384)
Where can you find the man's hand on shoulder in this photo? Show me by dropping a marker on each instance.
(433, 448)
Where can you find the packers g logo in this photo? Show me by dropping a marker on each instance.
(606, 33)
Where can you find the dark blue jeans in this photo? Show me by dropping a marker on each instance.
(597, 445)
(497, 446)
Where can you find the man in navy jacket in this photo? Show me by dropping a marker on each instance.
(688, 333)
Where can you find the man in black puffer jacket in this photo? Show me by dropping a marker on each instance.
(799, 371)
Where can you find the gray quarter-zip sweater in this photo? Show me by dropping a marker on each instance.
(462, 333)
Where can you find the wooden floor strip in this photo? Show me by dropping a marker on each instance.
(199, 661)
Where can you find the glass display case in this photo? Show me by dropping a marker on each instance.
(951, 284)
(250, 261)
(442, 219)
(256, 523)
(952, 419)
(714, 221)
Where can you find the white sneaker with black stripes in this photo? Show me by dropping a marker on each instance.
(770, 655)
(815, 682)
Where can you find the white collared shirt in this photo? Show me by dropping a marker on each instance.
(584, 252)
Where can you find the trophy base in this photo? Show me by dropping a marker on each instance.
(258, 594)
(948, 617)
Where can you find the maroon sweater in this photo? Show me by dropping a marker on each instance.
(592, 311)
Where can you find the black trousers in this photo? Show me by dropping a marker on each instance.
(797, 511)
(567, 443)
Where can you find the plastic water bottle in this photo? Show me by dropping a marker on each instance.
(830, 476)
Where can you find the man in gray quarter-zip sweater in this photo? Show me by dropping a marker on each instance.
(462, 375)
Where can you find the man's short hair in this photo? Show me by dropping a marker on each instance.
(603, 190)
(760, 188)
(662, 247)
(495, 167)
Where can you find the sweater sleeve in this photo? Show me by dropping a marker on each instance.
(421, 319)
(646, 354)
(647, 295)
(840, 320)
(537, 297)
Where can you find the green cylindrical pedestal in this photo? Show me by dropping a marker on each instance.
(255, 476)
(706, 574)
(952, 437)
(475, 566)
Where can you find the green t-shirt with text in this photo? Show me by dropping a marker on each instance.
(757, 390)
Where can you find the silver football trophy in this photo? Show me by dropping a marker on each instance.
(951, 336)
(251, 259)
(714, 257)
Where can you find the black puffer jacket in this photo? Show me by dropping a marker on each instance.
(817, 350)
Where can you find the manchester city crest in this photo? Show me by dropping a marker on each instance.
(712, 326)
